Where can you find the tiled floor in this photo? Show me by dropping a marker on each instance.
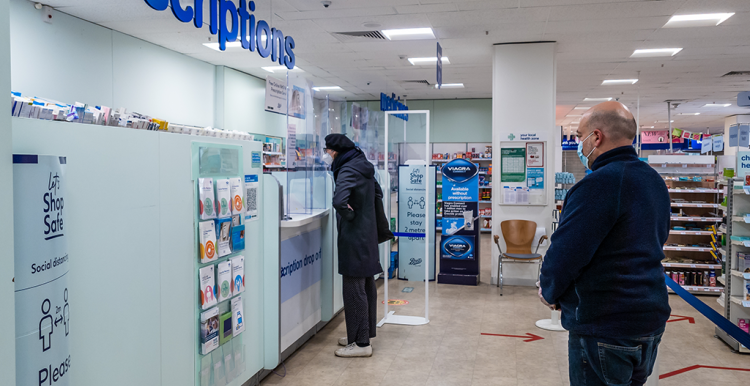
(450, 350)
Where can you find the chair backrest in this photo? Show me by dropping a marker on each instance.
(518, 235)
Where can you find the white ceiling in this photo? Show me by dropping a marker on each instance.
(596, 38)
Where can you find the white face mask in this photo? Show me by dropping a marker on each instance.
(327, 159)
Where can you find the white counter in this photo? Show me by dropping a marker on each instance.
(298, 220)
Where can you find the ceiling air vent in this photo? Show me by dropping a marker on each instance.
(358, 35)
(737, 73)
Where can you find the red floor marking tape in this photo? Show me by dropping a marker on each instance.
(690, 319)
(693, 367)
(529, 337)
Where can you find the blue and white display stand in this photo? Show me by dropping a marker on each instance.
(412, 198)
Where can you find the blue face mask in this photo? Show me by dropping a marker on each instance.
(585, 158)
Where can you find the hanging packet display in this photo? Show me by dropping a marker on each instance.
(223, 198)
(207, 247)
(224, 280)
(206, 205)
(238, 273)
(238, 319)
(209, 330)
(238, 238)
(208, 287)
(235, 190)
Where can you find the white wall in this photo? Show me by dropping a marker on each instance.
(523, 98)
(87, 63)
(243, 104)
(7, 258)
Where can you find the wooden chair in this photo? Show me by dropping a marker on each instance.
(518, 236)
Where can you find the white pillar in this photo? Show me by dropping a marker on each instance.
(523, 98)
(7, 295)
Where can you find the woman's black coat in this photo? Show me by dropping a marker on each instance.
(358, 236)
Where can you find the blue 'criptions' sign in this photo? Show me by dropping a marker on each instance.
(260, 36)
(390, 103)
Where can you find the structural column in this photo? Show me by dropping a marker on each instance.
(7, 295)
(523, 101)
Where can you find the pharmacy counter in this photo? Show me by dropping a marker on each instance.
(298, 220)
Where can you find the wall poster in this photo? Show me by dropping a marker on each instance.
(513, 165)
(535, 154)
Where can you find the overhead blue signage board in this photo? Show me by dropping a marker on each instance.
(734, 135)
(390, 103)
(223, 13)
(743, 99)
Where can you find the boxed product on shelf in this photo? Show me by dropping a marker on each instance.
(209, 330)
(223, 198)
(744, 324)
(235, 190)
(746, 290)
(207, 247)
(207, 207)
(208, 287)
(224, 280)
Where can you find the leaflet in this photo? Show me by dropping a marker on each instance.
(223, 198)
(209, 330)
(224, 280)
(207, 248)
(206, 206)
(238, 273)
(238, 317)
(208, 289)
(235, 189)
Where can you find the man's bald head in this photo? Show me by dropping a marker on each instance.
(613, 119)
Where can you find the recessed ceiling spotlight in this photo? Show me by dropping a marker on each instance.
(619, 81)
(717, 105)
(451, 85)
(426, 61)
(409, 34)
(281, 68)
(655, 52)
(328, 88)
(597, 99)
(698, 20)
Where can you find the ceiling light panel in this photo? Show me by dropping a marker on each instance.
(427, 61)
(409, 34)
(655, 52)
(597, 99)
(451, 85)
(717, 105)
(611, 82)
(698, 20)
(689, 114)
(281, 69)
(328, 88)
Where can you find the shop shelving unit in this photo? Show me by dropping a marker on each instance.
(482, 162)
(273, 154)
(735, 307)
(696, 197)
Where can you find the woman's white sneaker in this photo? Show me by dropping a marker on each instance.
(354, 351)
(343, 341)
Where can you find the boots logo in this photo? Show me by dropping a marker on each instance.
(414, 261)
(457, 247)
(460, 170)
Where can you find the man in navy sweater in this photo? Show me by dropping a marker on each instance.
(603, 267)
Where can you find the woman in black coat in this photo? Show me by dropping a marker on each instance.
(354, 201)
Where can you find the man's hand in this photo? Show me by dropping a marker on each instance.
(350, 207)
(541, 298)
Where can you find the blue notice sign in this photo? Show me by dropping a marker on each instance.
(744, 135)
(439, 66)
(734, 135)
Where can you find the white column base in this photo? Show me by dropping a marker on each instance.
(552, 324)
(391, 318)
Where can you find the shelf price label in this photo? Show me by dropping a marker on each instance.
(692, 265)
(746, 243)
(747, 219)
(746, 303)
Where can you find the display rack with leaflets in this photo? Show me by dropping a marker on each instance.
(693, 253)
(736, 300)
(481, 155)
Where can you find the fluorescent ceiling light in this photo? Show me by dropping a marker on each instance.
(581, 108)
(574, 115)
(698, 20)
(647, 127)
(619, 81)
(597, 99)
(424, 61)
(328, 88)
(655, 52)
(281, 68)
(717, 105)
(234, 44)
(689, 114)
(672, 121)
(409, 34)
(451, 85)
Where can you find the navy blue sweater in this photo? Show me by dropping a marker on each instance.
(603, 266)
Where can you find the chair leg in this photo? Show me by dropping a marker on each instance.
(499, 261)
(500, 276)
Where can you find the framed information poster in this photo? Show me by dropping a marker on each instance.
(535, 154)
(513, 165)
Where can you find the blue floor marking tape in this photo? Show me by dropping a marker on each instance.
(405, 234)
(715, 318)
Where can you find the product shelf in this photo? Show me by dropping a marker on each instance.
(684, 265)
(738, 300)
(481, 159)
(274, 166)
(485, 216)
(701, 290)
(272, 153)
(688, 249)
(485, 202)
(739, 274)
(739, 219)
(722, 279)
(738, 243)
(694, 191)
(691, 205)
(486, 230)
(691, 233)
(696, 219)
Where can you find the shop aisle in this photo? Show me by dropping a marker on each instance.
(451, 350)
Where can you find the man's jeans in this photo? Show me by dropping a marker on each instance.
(595, 361)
